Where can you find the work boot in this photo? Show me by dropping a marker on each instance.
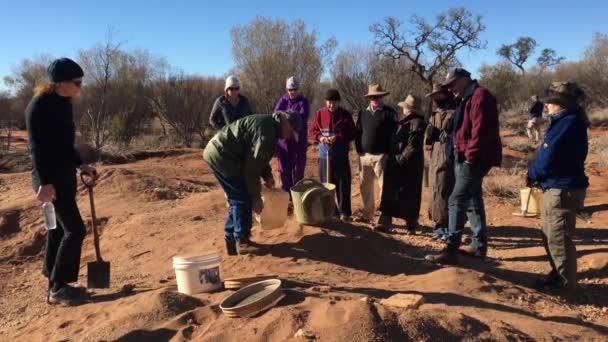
(449, 256)
(246, 246)
(65, 296)
(345, 218)
(231, 247)
(384, 224)
(474, 252)
(410, 229)
(552, 280)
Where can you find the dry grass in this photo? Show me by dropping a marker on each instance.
(504, 184)
(599, 146)
(520, 144)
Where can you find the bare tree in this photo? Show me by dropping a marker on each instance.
(184, 102)
(357, 67)
(266, 52)
(8, 119)
(519, 52)
(25, 77)
(430, 48)
(548, 58)
(100, 64)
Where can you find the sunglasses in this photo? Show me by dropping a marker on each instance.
(292, 90)
(375, 98)
(77, 83)
(234, 89)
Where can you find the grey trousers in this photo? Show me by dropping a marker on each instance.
(558, 210)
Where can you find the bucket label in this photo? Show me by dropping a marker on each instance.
(209, 276)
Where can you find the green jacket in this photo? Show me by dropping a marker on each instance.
(244, 149)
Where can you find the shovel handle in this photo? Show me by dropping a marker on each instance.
(90, 184)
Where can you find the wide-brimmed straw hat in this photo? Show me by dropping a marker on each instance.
(376, 90)
(411, 102)
(437, 89)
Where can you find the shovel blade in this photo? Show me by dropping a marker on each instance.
(98, 275)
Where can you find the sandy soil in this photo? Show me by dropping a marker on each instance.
(335, 276)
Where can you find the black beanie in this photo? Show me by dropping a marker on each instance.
(332, 95)
(64, 69)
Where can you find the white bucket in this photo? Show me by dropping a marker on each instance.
(531, 197)
(197, 273)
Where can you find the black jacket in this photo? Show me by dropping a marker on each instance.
(50, 127)
(223, 113)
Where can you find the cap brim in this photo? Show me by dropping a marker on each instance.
(433, 93)
(378, 94)
(449, 81)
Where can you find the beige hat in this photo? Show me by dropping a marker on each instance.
(232, 82)
(437, 89)
(376, 90)
(411, 102)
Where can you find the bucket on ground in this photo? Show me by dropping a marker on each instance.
(274, 215)
(197, 273)
(530, 198)
(313, 202)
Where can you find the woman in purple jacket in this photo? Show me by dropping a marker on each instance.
(292, 153)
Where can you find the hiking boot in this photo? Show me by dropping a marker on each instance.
(231, 247)
(474, 252)
(345, 218)
(380, 228)
(246, 247)
(410, 230)
(64, 296)
(449, 256)
(552, 280)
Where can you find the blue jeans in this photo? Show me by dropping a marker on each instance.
(239, 221)
(466, 201)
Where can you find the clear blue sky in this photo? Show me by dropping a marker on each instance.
(195, 35)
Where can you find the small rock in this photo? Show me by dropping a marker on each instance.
(197, 218)
(323, 288)
(364, 299)
(305, 334)
(406, 301)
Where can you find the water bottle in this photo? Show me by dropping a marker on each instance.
(50, 221)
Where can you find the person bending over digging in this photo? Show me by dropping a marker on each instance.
(239, 155)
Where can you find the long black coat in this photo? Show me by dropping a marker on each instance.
(402, 188)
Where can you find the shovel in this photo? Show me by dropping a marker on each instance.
(98, 271)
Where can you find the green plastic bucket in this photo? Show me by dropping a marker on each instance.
(313, 202)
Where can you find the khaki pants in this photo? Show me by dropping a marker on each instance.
(559, 222)
(371, 170)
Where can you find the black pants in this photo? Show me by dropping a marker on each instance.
(64, 243)
(341, 177)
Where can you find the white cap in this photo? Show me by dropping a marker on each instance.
(292, 83)
(232, 82)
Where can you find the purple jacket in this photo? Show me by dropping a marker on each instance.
(298, 105)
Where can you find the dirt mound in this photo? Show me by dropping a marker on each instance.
(140, 315)
(13, 162)
(134, 183)
(118, 158)
(9, 223)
